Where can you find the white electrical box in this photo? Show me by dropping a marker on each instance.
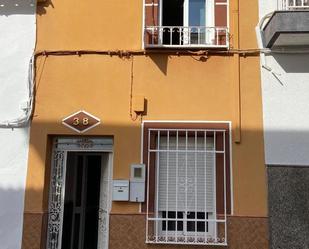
(120, 190)
(137, 183)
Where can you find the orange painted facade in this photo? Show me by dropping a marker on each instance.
(224, 87)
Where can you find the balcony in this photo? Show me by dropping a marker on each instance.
(293, 4)
(288, 26)
(182, 37)
(186, 24)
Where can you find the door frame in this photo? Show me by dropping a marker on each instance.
(61, 147)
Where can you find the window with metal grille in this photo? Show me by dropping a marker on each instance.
(188, 193)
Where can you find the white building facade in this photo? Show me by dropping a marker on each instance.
(283, 37)
(17, 42)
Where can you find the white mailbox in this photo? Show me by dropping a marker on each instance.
(120, 190)
(137, 183)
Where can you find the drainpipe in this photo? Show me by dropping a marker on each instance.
(236, 73)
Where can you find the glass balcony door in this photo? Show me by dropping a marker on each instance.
(186, 22)
(198, 22)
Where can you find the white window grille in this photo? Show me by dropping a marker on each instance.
(184, 165)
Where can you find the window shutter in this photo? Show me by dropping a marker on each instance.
(221, 19)
(151, 19)
(191, 186)
(221, 13)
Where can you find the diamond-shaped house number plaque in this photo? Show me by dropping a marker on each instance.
(81, 121)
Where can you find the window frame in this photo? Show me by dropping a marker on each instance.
(150, 193)
(217, 37)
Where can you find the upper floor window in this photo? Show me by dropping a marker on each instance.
(186, 23)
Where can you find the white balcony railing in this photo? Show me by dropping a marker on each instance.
(293, 4)
(181, 36)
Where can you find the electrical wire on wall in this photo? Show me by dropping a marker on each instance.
(132, 116)
(23, 120)
(264, 52)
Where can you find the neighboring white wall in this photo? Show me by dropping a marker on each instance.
(285, 105)
(17, 41)
(266, 6)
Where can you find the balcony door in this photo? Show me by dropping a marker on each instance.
(199, 18)
(187, 22)
(172, 22)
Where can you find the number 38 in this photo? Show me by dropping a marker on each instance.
(77, 121)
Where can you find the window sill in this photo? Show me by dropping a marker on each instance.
(208, 242)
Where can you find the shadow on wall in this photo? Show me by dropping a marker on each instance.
(11, 217)
(17, 7)
(161, 61)
(13, 221)
(35, 220)
(23, 7)
(251, 141)
(293, 63)
(41, 6)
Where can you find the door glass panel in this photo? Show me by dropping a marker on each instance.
(79, 180)
(197, 10)
(76, 231)
(93, 183)
(172, 11)
(92, 202)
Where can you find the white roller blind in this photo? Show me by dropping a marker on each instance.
(186, 174)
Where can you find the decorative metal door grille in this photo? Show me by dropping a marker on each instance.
(57, 185)
(188, 165)
(56, 200)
